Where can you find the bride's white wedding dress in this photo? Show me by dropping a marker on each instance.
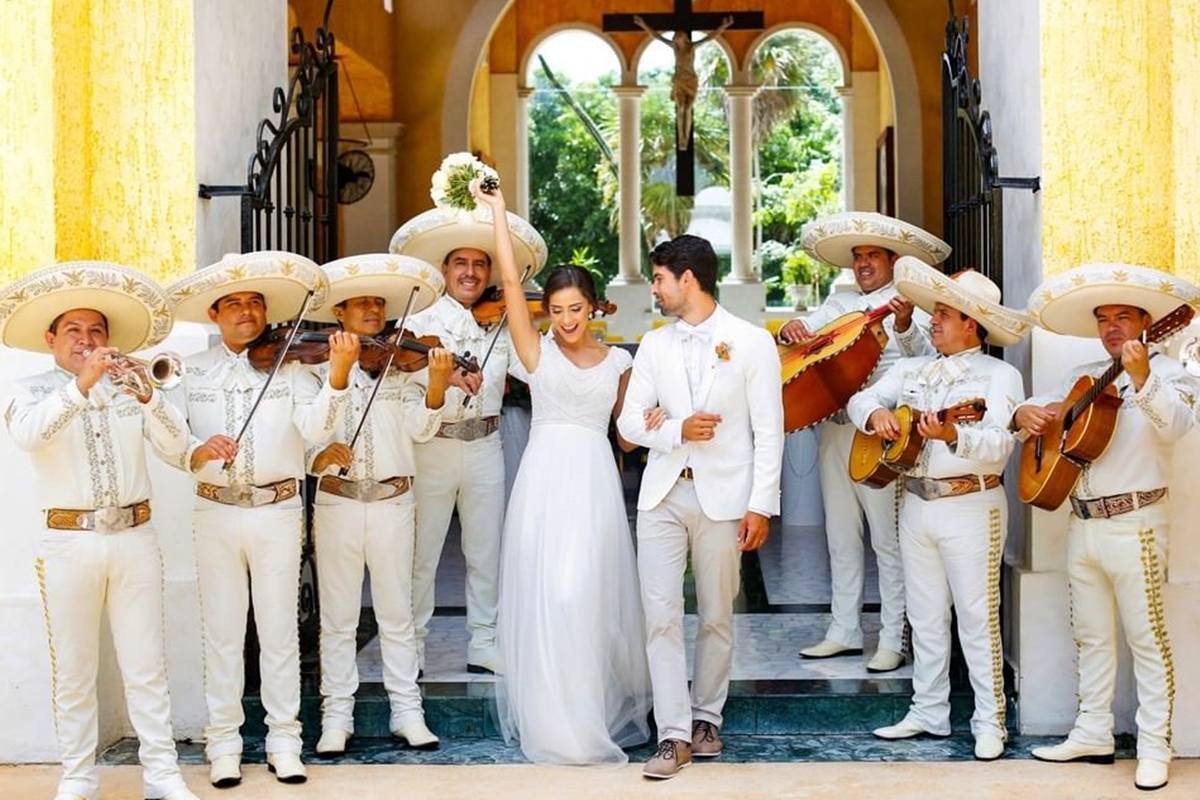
(574, 686)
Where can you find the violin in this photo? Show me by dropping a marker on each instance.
(490, 307)
(410, 354)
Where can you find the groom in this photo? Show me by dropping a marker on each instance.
(711, 482)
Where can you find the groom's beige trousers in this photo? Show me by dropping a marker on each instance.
(1117, 567)
(664, 535)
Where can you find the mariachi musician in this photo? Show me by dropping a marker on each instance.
(869, 244)
(953, 511)
(462, 466)
(85, 424)
(364, 514)
(1120, 514)
(247, 455)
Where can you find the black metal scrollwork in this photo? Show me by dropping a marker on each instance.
(971, 177)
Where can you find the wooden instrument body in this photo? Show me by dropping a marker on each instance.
(821, 373)
(877, 461)
(867, 464)
(1052, 463)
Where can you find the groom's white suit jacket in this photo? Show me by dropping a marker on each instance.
(738, 470)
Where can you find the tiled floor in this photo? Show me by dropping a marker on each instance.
(793, 571)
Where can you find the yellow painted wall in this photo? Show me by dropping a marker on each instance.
(102, 131)
(1185, 76)
(1120, 103)
(26, 146)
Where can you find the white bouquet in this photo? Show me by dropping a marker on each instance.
(451, 184)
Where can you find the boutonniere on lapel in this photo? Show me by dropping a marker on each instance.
(723, 349)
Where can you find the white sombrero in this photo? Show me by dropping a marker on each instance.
(1066, 303)
(971, 292)
(136, 307)
(281, 278)
(832, 239)
(392, 277)
(434, 234)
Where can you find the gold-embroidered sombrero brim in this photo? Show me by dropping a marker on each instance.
(136, 307)
(283, 279)
(432, 235)
(971, 292)
(1066, 303)
(832, 239)
(394, 278)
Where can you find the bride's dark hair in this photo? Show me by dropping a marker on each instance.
(564, 276)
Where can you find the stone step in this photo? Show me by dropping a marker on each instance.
(758, 708)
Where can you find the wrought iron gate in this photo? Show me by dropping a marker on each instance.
(971, 181)
(289, 199)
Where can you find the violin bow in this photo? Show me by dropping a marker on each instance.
(271, 375)
(499, 329)
(398, 337)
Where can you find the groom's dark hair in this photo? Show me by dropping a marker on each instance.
(685, 253)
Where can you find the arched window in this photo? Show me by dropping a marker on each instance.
(798, 133)
(572, 130)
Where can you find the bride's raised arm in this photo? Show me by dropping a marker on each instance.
(525, 336)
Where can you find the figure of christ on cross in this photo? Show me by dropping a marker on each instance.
(685, 83)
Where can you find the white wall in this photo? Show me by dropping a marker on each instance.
(367, 226)
(241, 56)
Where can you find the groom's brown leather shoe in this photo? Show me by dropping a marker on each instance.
(672, 756)
(705, 742)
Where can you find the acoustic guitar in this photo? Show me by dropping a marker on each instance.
(878, 461)
(822, 372)
(1052, 463)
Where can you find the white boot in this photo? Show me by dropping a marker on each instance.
(226, 771)
(417, 736)
(288, 767)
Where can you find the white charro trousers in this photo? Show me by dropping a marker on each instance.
(470, 475)
(664, 535)
(240, 551)
(82, 574)
(1116, 567)
(953, 549)
(350, 535)
(845, 504)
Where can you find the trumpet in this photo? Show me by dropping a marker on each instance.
(139, 376)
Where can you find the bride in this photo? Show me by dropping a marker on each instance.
(574, 687)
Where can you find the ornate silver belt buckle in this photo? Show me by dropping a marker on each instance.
(111, 519)
(237, 494)
(368, 491)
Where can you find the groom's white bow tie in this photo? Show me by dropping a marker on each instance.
(690, 336)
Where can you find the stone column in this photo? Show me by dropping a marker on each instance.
(522, 198)
(629, 100)
(849, 198)
(629, 289)
(742, 291)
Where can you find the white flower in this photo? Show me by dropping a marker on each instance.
(439, 180)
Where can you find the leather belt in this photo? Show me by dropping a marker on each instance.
(469, 429)
(687, 474)
(934, 488)
(109, 519)
(245, 496)
(1115, 504)
(365, 491)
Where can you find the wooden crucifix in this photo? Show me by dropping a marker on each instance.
(684, 86)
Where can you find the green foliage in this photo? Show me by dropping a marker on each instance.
(797, 129)
(566, 203)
